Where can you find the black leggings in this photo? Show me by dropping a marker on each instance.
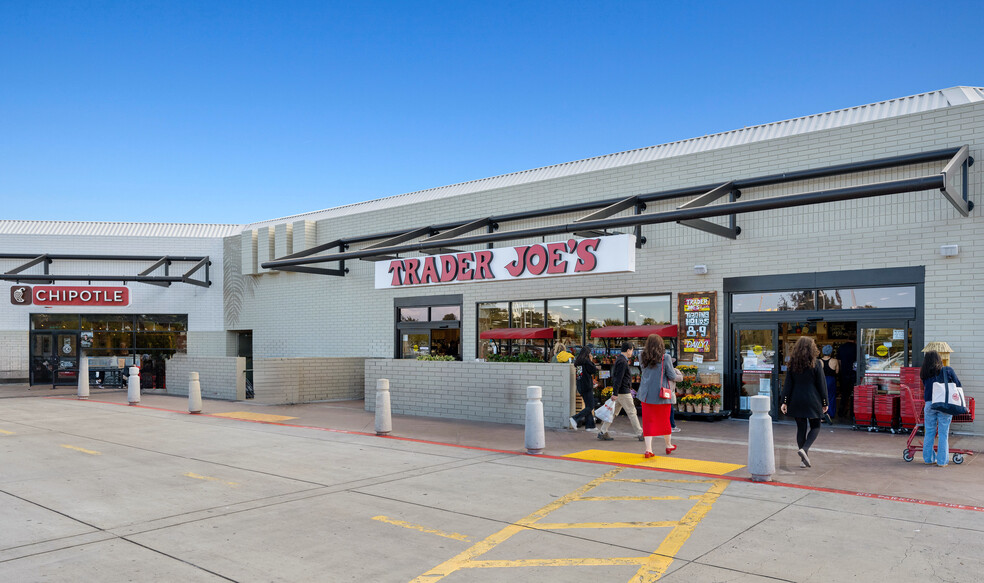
(804, 440)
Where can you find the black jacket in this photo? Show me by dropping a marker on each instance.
(621, 379)
(585, 383)
(805, 393)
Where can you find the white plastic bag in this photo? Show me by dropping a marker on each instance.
(607, 411)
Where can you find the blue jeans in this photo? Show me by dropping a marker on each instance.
(936, 422)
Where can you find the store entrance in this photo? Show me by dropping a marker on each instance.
(54, 358)
(837, 342)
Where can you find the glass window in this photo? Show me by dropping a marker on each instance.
(649, 310)
(868, 298)
(413, 314)
(106, 322)
(54, 322)
(491, 317)
(774, 301)
(567, 319)
(527, 315)
(441, 313)
(416, 344)
(604, 312)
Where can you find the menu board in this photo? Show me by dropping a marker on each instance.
(697, 326)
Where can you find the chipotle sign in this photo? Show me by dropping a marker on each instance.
(571, 257)
(54, 295)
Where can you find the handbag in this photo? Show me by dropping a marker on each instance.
(607, 411)
(664, 391)
(949, 398)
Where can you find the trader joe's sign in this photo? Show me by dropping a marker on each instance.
(698, 325)
(571, 257)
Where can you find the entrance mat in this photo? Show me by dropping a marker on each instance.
(658, 462)
(248, 416)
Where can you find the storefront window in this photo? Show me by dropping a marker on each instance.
(54, 322)
(648, 310)
(774, 301)
(602, 312)
(567, 319)
(527, 315)
(867, 298)
(491, 316)
(444, 313)
(413, 314)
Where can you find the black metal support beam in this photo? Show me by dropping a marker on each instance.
(809, 198)
(730, 232)
(958, 169)
(162, 261)
(32, 263)
(143, 277)
(610, 210)
(186, 278)
(454, 232)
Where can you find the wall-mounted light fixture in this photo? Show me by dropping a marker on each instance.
(949, 250)
(700, 269)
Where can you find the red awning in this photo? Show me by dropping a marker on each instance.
(667, 331)
(518, 334)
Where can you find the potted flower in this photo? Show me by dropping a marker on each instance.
(715, 400)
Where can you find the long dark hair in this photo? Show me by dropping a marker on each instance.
(652, 354)
(931, 366)
(583, 356)
(804, 355)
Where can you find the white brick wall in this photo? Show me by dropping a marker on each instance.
(13, 356)
(303, 380)
(479, 391)
(220, 377)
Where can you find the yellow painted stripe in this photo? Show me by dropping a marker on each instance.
(249, 416)
(452, 535)
(660, 560)
(658, 462)
(211, 479)
(7, 432)
(565, 525)
(588, 562)
(624, 498)
(88, 451)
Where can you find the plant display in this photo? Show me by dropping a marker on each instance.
(435, 357)
(521, 357)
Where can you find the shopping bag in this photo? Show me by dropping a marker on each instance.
(949, 398)
(607, 411)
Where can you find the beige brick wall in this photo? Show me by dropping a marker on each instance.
(14, 356)
(220, 377)
(478, 391)
(303, 380)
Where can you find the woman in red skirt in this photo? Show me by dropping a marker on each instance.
(657, 372)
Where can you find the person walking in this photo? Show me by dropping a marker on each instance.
(621, 387)
(830, 368)
(804, 395)
(560, 353)
(937, 423)
(657, 375)
(585, 370)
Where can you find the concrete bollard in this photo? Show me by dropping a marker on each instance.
(384, 419)
(194, 394)
(761, 451)
(133, 386)
(535, 438)
(83, 377)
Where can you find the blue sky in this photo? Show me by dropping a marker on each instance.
(235, 112)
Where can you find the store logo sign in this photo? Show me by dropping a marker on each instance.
(572, 257)
(52, 295)
(20, 295)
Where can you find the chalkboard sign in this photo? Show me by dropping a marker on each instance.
(697, 326)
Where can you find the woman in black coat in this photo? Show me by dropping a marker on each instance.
(804, 395)
(585, 370)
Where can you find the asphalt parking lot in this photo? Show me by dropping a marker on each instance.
(104, 492)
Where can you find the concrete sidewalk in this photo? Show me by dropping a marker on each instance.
(100, 491)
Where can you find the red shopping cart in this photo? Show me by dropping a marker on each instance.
(916, 405)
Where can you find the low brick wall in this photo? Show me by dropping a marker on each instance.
(221, 377)
(479, 391)
(302, 380)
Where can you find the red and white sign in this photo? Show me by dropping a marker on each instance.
(612, 254)
(54, 295)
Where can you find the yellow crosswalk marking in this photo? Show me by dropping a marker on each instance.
(88, 451)
(452, 535)
(7, 432)
(211, 479)
(658, 462)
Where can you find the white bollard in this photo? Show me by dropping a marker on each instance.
(194, 394)
(133, 386)
(761, 451)
(83, 377)
(384, 420)
(535, 438)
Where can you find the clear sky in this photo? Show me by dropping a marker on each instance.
(235, 112)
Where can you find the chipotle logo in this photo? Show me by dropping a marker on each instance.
(52, 295)
(571, 257)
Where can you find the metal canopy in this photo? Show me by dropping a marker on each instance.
(17, 274)
(690, 213)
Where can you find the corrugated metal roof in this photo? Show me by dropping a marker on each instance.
(812, 123)
(95, 229)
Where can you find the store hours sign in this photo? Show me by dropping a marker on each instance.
(611, 254)
(698, 325)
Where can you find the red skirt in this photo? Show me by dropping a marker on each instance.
(656, 419)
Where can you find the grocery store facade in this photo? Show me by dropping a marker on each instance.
(857, 227)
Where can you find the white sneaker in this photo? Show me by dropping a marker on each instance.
(676, 430)
(592, 430)
(573, 423)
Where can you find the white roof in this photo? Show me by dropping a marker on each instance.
(96, 229)
(923, 102)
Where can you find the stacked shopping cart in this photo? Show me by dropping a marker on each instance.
(864, 400)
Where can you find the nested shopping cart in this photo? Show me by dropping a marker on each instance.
(916, 406)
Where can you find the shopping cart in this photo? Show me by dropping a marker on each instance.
(909, 453)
